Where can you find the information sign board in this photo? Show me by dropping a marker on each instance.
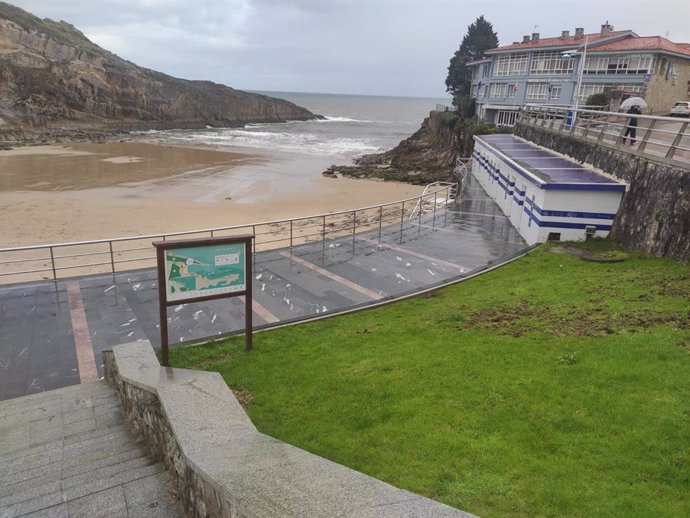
(198, 270)
(202, 271)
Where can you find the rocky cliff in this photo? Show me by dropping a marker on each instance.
(52, 77)
(429, 155)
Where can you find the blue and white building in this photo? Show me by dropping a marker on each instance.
(535, 71)
(546, 196)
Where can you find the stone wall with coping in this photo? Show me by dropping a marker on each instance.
(221, 466)
(654, 215)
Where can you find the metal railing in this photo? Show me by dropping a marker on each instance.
(659, 138)
(62, 260)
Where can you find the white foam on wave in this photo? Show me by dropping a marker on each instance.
(329, 118)
(308, 143)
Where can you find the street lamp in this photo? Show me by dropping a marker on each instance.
(568, 55)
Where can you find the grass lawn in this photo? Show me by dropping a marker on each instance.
(552, 386)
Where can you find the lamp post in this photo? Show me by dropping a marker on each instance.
(578, 86)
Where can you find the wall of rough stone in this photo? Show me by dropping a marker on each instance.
(148, 423)
(665, 88)
(654, 216)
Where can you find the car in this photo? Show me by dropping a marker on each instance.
(681, 109)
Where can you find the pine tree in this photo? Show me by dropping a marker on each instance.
(479, 38)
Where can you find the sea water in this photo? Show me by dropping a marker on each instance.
(354, 125)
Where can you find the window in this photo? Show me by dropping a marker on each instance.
(536, 91)
(485, 70)
(498, 90)
(628, 64)
(550, 63)
(597, 88)
(512, 90)
(506, 118)
(511, 65)
(555, 92)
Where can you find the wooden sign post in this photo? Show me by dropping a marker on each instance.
(196, 270)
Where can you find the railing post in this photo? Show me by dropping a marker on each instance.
(323, 237)
(419, 219)
(52, 263)
(112, 257)
(291, 236)
(402, 220)
(254, 247)
(380, 221)
(602, 132)
(646, 136)
(672, 149)
(354, 229)
(433, 221)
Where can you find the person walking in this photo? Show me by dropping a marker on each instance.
(632, 125)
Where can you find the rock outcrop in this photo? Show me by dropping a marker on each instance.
(427, 156)
(53, 78)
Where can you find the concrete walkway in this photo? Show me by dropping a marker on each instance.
(66, 453)
(53, 333)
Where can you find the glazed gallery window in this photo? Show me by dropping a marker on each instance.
(597, 88)
(537, 91)
(550, 63)
(498, 91)
(628, 64)
(511, 65)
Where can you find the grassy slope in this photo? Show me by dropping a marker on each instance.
(581, 408)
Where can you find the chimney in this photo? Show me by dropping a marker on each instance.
(606, 28)
(565, 34)
(579, 32)
(535, 36)
(525, 38)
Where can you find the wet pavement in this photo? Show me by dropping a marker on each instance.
(48, 341)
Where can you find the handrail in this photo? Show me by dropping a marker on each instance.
(659, 138)
(271, 234)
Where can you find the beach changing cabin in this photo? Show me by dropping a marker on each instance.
(546, 196)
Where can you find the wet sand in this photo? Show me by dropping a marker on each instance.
(53, 194)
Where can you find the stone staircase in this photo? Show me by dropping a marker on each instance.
(66, 454)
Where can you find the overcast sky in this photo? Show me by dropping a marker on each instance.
(379, 47)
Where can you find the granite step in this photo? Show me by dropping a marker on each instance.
(67, 453)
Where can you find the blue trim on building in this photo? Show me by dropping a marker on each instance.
(573, 214)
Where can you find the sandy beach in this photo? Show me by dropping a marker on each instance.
(75, 192)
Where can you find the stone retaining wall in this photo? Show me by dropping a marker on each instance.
(654, 216)
(221, 466)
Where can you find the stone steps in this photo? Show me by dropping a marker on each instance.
(67, 453)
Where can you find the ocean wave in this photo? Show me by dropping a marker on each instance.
(308, 143)
(329, 118)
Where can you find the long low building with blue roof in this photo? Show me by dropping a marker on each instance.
(546, 196)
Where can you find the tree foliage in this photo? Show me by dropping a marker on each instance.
(480, 37)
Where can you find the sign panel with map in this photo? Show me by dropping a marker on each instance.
(204, 270)
(199, 270)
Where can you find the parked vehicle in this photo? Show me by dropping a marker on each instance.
(681, 109)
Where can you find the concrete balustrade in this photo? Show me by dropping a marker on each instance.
(221, 466)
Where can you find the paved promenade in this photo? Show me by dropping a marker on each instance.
(53, 333)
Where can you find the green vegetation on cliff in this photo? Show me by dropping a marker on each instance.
(550, 387)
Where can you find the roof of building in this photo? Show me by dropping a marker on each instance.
(559, 41)
(644, 43)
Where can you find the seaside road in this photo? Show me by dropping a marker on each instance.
(53, 333)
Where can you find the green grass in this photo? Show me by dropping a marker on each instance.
(550, 387)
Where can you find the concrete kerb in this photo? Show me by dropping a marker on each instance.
(375, 304)
(220, 465)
